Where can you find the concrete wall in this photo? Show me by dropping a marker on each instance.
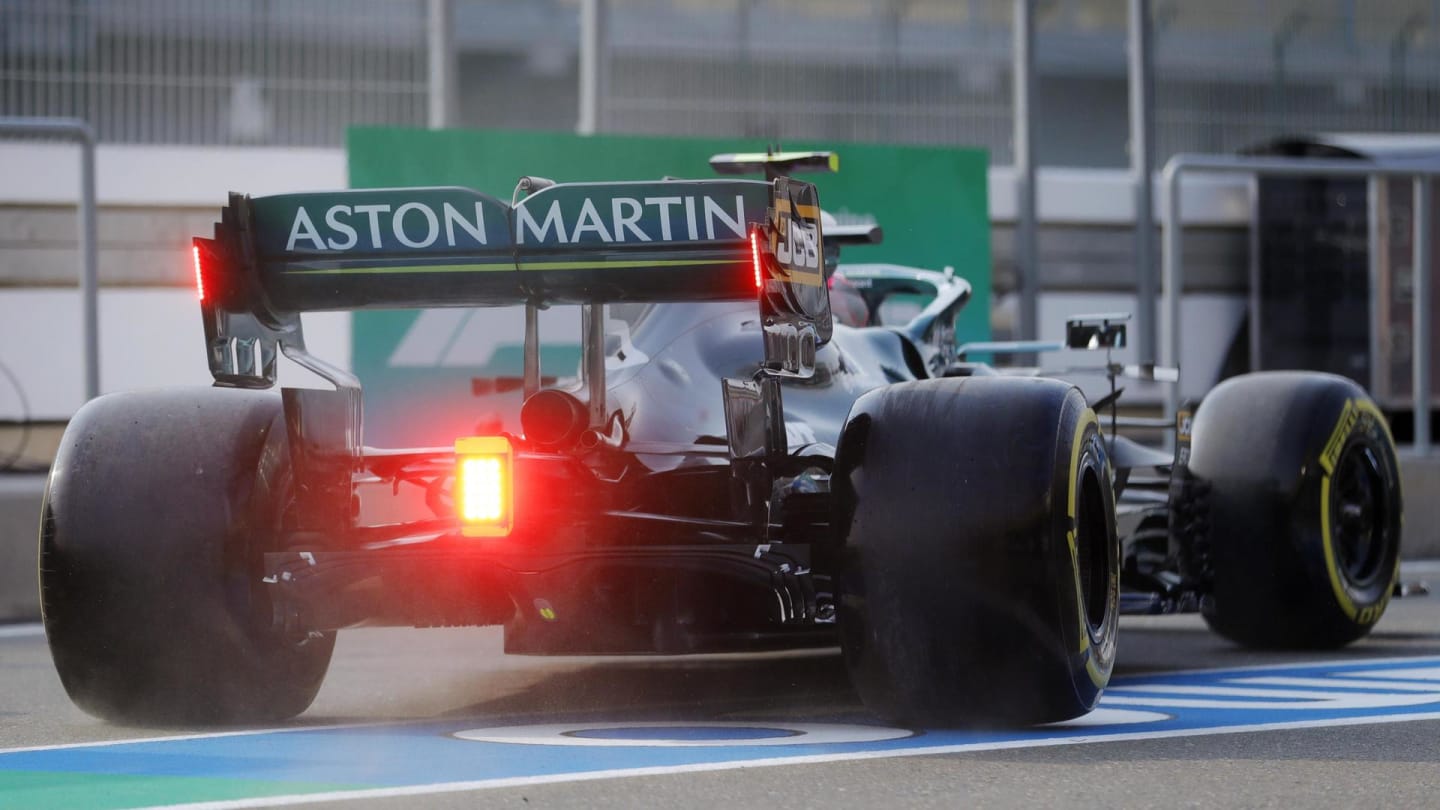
(163, 175)
(150, 337)
(19, 543)
(152, 200)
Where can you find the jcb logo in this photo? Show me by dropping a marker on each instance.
(799, 247)
(1184, 423)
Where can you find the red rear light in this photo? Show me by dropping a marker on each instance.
(199, 275)
(755, 258)
(484, 489)
(483, 485)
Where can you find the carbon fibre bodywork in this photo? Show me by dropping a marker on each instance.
(657, 545)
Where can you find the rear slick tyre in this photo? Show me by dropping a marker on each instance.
(156, 514)
(980, 561)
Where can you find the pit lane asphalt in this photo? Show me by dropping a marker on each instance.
(409, 675)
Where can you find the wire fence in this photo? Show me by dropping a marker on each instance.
(1229, 73)
(917, 72)
(292, 72)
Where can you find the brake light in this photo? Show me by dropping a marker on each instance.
(483, 485)
(755, 257)
(199, 276)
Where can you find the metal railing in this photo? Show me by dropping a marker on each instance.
(71, 129)
(1173, 269)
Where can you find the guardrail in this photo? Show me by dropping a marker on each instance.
(1173, 271)
(73, 129)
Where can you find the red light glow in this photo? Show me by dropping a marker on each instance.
(755, 256)
(483, 480)
(199, 277)
(483, 489)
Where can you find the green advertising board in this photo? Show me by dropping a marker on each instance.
(422, 370)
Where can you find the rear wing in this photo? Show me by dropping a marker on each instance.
(438, 247)
(272, 258)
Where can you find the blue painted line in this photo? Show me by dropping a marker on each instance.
(416, 755)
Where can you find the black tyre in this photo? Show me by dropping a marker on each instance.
(980, 568)
(158, 509)
(1299, 488)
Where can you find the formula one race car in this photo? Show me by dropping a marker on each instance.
(733, 470)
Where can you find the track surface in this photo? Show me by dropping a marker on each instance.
(401, 696)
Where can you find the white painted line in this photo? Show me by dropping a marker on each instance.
(28, 630)
(1346, 663)
(1337, 700)
(1386, 683)
(207, 735)
(525, 781)
(1107, 716)
(1216, 690)
(1418, 674)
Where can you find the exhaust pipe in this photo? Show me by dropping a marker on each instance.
(554, 419)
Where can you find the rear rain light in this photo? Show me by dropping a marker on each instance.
(755, 258)
(199, 274)
(484, 485)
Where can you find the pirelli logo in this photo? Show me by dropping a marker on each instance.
(1349, 417)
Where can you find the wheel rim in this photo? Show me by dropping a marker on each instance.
(1359, 508)
(1092, 550)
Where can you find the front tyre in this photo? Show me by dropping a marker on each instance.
(980, 570)
(156, 514)
(1301, 489)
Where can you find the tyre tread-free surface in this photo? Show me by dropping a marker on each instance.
(1277, 455)
(158, 507)
(962, 598)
